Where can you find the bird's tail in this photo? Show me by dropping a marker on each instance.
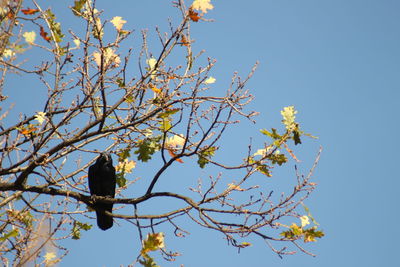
(104, 221)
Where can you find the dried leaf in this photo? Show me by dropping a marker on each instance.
(29, 11)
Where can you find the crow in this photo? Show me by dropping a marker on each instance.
(102, 181)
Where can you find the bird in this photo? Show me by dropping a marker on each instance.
(102, 182)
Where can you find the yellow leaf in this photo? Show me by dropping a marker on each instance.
(202, 5)
(118, 22)
(245, 244)
(8, 53)
(304, 220)
(153, 242)
(77, 43)
(175, 141)
(155, 89)
(40, 117)
(110, 58)
(235, 187)
(125, 166)
(49, 256)
(210, 80)
(29, 37)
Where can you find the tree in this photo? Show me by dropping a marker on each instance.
(99, 102)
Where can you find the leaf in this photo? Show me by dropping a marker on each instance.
(125, 166)
(172, 154)
(146, 148)
(184, 42)
(29, 37)
(121, 180)
(153, 242)
(204, 156)
(54, 26)
(44, 34)
(29, 11)
(12, 233)
(304, 220)
(210, 80)
(235, 187)
(311, 234)
(278, 158)
(49, 256)
(124, 154)
(118, 22)
(203, 5)
(76, 229)
(288, 114)
(8, 53)
(40, 117)
(109, 57)
(77, 43)
(296, 137)
(165, 124)
(193, 15)
(245, 244)
(77, 8)
(177, 141)
(27, 130)
(274, 134)
(168, 112)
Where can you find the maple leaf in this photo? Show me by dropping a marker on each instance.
(29, 11)
(118, 22)
(44, 34)
(202, 5)
(193, 15)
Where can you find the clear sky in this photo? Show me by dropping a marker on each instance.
(338, 63)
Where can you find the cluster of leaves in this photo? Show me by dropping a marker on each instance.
(153, 242)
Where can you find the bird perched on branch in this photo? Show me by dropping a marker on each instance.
(102, 181)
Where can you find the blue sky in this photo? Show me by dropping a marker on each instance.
(338, 63)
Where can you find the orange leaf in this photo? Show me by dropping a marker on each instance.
(184, 40)
(29, 11)
(172, 154)
(44, 34)
(193, 15)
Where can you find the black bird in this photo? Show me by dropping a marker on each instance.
(102, 182)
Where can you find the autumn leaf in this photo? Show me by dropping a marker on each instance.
(175, 142)
(40, 117)
(118, 22)
(77, 43)
(152, 242)
(29, 37)
(110, 58)
(29, 11)
(184, 42)
(235, 187)
(44, 34)
(49, 256)
(210, 80)
(172, 154)
(288, 114)
(202, 5)
(125, 166)
(304, 220)
(193, 15)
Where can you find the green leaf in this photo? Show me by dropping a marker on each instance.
(278, 158)
(124, 154)
(121, 180)
(205, 155)
(273, 134)
(12, 233)
(312, 233)
(147, 147)
(296, 137)
(165, 124)
(77, 8)
(76, 229)
(54, 26)
(168, 112)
